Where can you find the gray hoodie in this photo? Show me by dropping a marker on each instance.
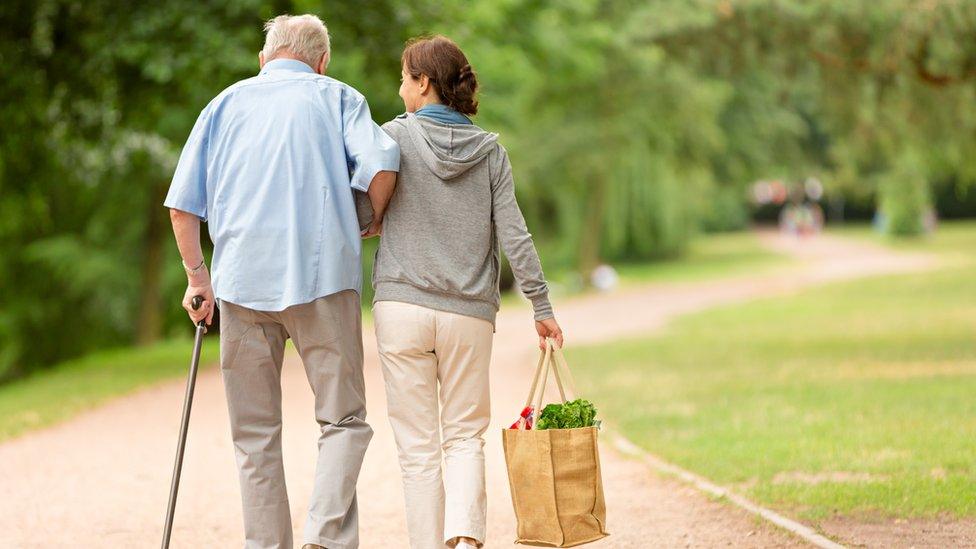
(454, 204)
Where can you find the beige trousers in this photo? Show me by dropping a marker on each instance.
(436, 369)
(328, 336)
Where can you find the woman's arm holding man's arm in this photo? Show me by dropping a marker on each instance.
(374, 157)
(380, 192)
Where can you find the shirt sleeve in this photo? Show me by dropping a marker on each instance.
(369, 149)
(188, 190)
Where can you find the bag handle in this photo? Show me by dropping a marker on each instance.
(542, 376)
(535, 377)
(567, 376)
(551, 355)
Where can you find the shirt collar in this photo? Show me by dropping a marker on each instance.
(286, 65)
(442, 113)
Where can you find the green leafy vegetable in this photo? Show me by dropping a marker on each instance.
(571, 415)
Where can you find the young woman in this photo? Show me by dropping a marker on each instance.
(436, 280)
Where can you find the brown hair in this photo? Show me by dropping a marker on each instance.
(448, 69)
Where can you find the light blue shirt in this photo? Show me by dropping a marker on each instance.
(271, 164)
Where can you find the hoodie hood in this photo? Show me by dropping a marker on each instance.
(448, 150)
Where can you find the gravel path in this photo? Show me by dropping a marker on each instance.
(101, 479)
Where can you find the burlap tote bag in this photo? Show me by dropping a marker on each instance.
(554, 474)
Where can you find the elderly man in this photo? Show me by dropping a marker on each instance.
(271, 165)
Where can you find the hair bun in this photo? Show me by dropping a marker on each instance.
(450, 74)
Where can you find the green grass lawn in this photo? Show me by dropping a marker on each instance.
(72, 387)
(710, 256)
(953, 240)
(856, 399)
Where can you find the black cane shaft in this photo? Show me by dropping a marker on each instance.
(184, 424)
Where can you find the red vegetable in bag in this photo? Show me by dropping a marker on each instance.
(525, 419)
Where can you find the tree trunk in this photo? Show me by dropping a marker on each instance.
(591, 233)
(149, 325)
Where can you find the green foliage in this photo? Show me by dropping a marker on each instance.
(95, 108)
(96, 104)
(569, 415)
(904, 200)
(632, 126)
(608, 136)
(725, 210)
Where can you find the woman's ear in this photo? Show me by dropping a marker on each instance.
(424, 84)
(261, 59)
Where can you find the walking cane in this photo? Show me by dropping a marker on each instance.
(191, 381)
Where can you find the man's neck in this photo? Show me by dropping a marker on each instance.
(288, 55)
(284, 55)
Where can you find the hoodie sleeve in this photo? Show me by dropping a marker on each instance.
(514, 236)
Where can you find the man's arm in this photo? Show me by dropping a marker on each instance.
(380, 192)
(186, 228)
(187, 203)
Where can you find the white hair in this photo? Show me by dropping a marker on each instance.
(304, 36)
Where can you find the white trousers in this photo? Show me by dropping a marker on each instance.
(435, 365)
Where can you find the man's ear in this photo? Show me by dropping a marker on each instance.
(324, 63)
(261, 59)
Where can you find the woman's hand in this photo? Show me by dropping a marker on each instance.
(549, 328)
